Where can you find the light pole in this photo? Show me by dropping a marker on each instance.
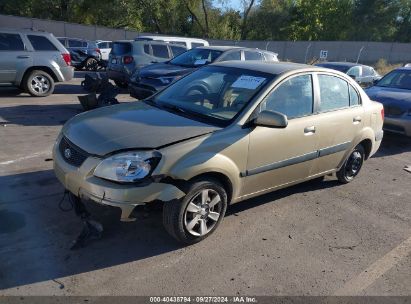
(306, 53)
(359, 53)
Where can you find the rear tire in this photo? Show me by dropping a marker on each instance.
(38, 83)
(91, 64)
(352, 165)
(198, 214)
(121, 84)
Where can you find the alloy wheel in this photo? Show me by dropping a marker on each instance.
(40, 84)
(202, 212)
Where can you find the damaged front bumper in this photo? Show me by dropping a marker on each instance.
(81, 182)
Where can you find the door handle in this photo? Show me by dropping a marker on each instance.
(23, 56)
(356, 119)
(309, 130)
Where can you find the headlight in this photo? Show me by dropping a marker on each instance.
(128, 167)
(168, 80)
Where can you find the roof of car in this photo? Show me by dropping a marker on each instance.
(219, 47)
(342, 63)
(265, 67)
(25, 31)
(147, 41)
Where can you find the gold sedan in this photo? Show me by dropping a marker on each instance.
(224, 133)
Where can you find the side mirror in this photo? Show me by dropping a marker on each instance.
(375, 81)
(271, 119)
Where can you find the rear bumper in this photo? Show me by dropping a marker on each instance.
(400, 125)
(65, 73)
(83, 184)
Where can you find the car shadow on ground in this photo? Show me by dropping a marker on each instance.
(38, 234)
(393, 144)
(308, 186)
(60, 88)
(39, 115)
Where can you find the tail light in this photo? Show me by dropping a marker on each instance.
(128, 59)
(67, 58)
(382, 113)
(98, 51)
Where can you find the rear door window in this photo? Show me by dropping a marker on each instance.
(367, 71)
(121, 48)
(179, 42)
(41, 43)
(231, 56)
(160, 51)
(334, 93)
(270, 57)
(196, 44)
(11, 42)
(177, 50)
(354, 71)
(147, 49)
(75, 43)
(251, 55)
(354, 98)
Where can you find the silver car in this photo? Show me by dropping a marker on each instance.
(33, 61)
(126, 56)
(364, 75)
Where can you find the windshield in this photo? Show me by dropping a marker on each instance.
(214, 93)
(400, 79)
(196, 57)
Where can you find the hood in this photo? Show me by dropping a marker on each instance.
(164, 69)
(390, 96)
(128, 126)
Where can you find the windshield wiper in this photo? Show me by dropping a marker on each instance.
(184, 111)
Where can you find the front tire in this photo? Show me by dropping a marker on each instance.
(38, 83)
(198, 214)
(352, 165)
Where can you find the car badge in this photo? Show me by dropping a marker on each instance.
(67, 153)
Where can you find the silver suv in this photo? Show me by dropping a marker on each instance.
(127, 56)
(33, 61)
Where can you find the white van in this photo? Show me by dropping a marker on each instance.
(189, 43)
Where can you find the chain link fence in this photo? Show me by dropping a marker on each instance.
(297, 51)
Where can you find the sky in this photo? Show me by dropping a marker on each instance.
(235, 4)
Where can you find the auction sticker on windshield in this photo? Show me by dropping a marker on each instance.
(248, 82)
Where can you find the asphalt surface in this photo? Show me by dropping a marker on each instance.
(317, 238)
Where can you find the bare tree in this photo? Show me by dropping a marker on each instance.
(247, 4)
(205, 29)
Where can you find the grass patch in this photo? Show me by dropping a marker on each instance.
(383, 67)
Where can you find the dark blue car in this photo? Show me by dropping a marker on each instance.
(394, 92)
(148, 80)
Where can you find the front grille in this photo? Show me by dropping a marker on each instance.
(71, 153)
(393, 111)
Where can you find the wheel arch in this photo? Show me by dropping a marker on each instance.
(218, 176)
(367, 144)
(41, 68)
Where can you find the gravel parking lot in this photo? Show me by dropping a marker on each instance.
(317, 238)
